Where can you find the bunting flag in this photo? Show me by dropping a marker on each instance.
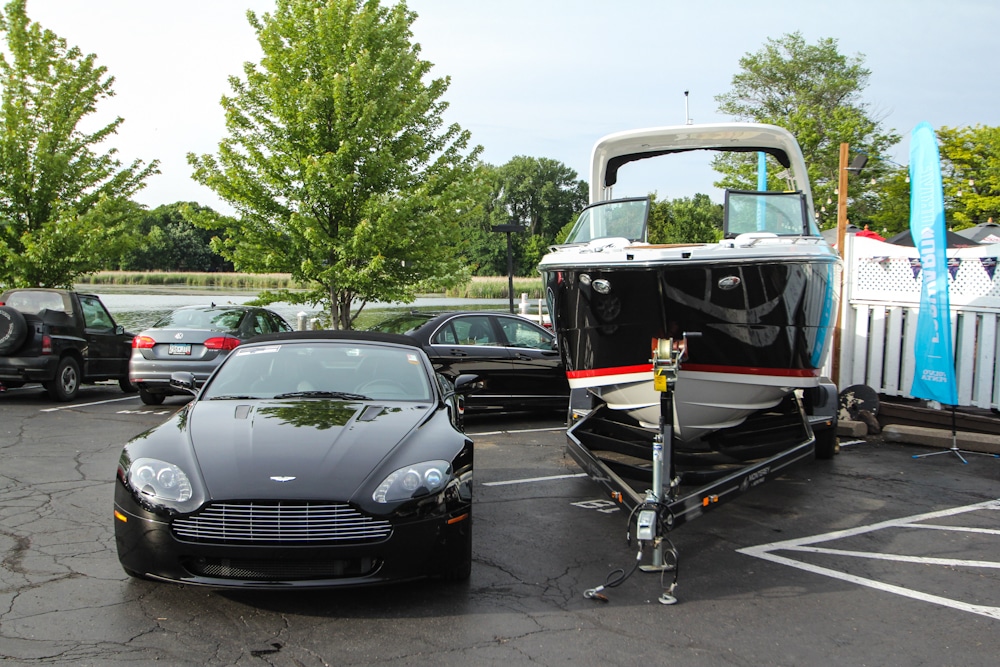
(915, 266)
(934, 376)
(990, 264)
(953, 264)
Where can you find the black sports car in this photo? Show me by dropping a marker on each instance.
(308, 459)
(516, 360)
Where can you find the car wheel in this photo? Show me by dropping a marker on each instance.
(13, 329)
(135, 575)
(67, 381)
(457, 564)
(127, 385)
(827, 445)
(150, 398)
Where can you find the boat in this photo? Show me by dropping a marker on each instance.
(755, 310)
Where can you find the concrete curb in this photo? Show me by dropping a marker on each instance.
(941, 438)
(938, 438)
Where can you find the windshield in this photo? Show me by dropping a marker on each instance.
(620, 218)
(403, 324)
(350, 370)
(781, 213)
(35, 301)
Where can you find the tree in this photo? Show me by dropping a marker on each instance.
(541, 195)
(970, 169)
(685, 220)
(65, 210)
(170, 242)
(815, 93)
(337, 160)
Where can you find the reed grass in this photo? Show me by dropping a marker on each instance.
(480, 287)
(495, 287)
(251, 281)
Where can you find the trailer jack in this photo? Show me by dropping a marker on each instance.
(653, 518)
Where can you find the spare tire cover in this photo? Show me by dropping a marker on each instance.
(13, 329)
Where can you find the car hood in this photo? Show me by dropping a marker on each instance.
(305, 449)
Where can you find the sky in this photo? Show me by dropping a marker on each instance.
(542, 78)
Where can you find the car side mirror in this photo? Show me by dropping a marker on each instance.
(468, 383)
(182, 380)
(120, 330)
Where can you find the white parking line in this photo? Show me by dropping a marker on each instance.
(83, 405)
(522, 430)
(534, 479)
(766, 552)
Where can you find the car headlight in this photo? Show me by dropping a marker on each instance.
(159, 480)
(420, 479)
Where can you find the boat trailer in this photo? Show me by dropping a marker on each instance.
(681, 484)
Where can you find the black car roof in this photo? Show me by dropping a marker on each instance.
(365, 336)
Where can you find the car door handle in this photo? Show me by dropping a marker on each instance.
(522, 357)
(458, 353)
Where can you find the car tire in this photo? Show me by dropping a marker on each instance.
(135, 575)
(66, 384)
(149, 398)
(13, 330)
(458, 559)
(827, 445)
(127, 386)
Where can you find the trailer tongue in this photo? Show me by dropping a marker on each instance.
(663, 486)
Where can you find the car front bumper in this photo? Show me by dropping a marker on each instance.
(416, 548)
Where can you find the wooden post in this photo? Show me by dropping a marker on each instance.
(841, 233)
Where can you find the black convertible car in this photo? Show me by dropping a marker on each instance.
(308, 459)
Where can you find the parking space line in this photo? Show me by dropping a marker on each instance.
(767, 552)
(523, 430)
(83, 405)
(534, 479)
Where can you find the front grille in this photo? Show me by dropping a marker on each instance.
(280, 523)
(280, 570)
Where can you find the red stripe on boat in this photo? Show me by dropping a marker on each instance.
(699, 368)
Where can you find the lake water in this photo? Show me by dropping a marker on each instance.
(137, 308)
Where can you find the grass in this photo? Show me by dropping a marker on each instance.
(495, 287)
(243, 281)
(480, 287)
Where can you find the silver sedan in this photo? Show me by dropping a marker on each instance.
(194, 339)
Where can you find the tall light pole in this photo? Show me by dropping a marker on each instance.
(509, 229)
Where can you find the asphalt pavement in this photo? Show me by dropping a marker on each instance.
(871, 558)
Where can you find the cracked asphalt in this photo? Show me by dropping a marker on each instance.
(538, 545)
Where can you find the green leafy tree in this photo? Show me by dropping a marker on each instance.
(970, 170)
(539, 194)
(337, 160)
(170, 242)
(815, 92)
(65, 208)
(686, 220)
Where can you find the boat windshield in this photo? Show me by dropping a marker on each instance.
(619, 218)
(781, 213)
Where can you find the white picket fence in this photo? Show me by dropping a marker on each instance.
(879, 310)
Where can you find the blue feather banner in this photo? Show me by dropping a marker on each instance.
(934, 378)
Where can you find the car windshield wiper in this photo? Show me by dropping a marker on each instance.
(233, 397)
(324, 394)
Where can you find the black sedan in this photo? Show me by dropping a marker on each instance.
(193, 339)
(308, 459)
(515, 359)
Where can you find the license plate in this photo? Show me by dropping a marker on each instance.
(179, 348)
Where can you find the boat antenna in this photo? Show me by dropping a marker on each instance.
(687, 116)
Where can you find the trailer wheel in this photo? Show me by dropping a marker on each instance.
(827, 445)
(13, 329)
